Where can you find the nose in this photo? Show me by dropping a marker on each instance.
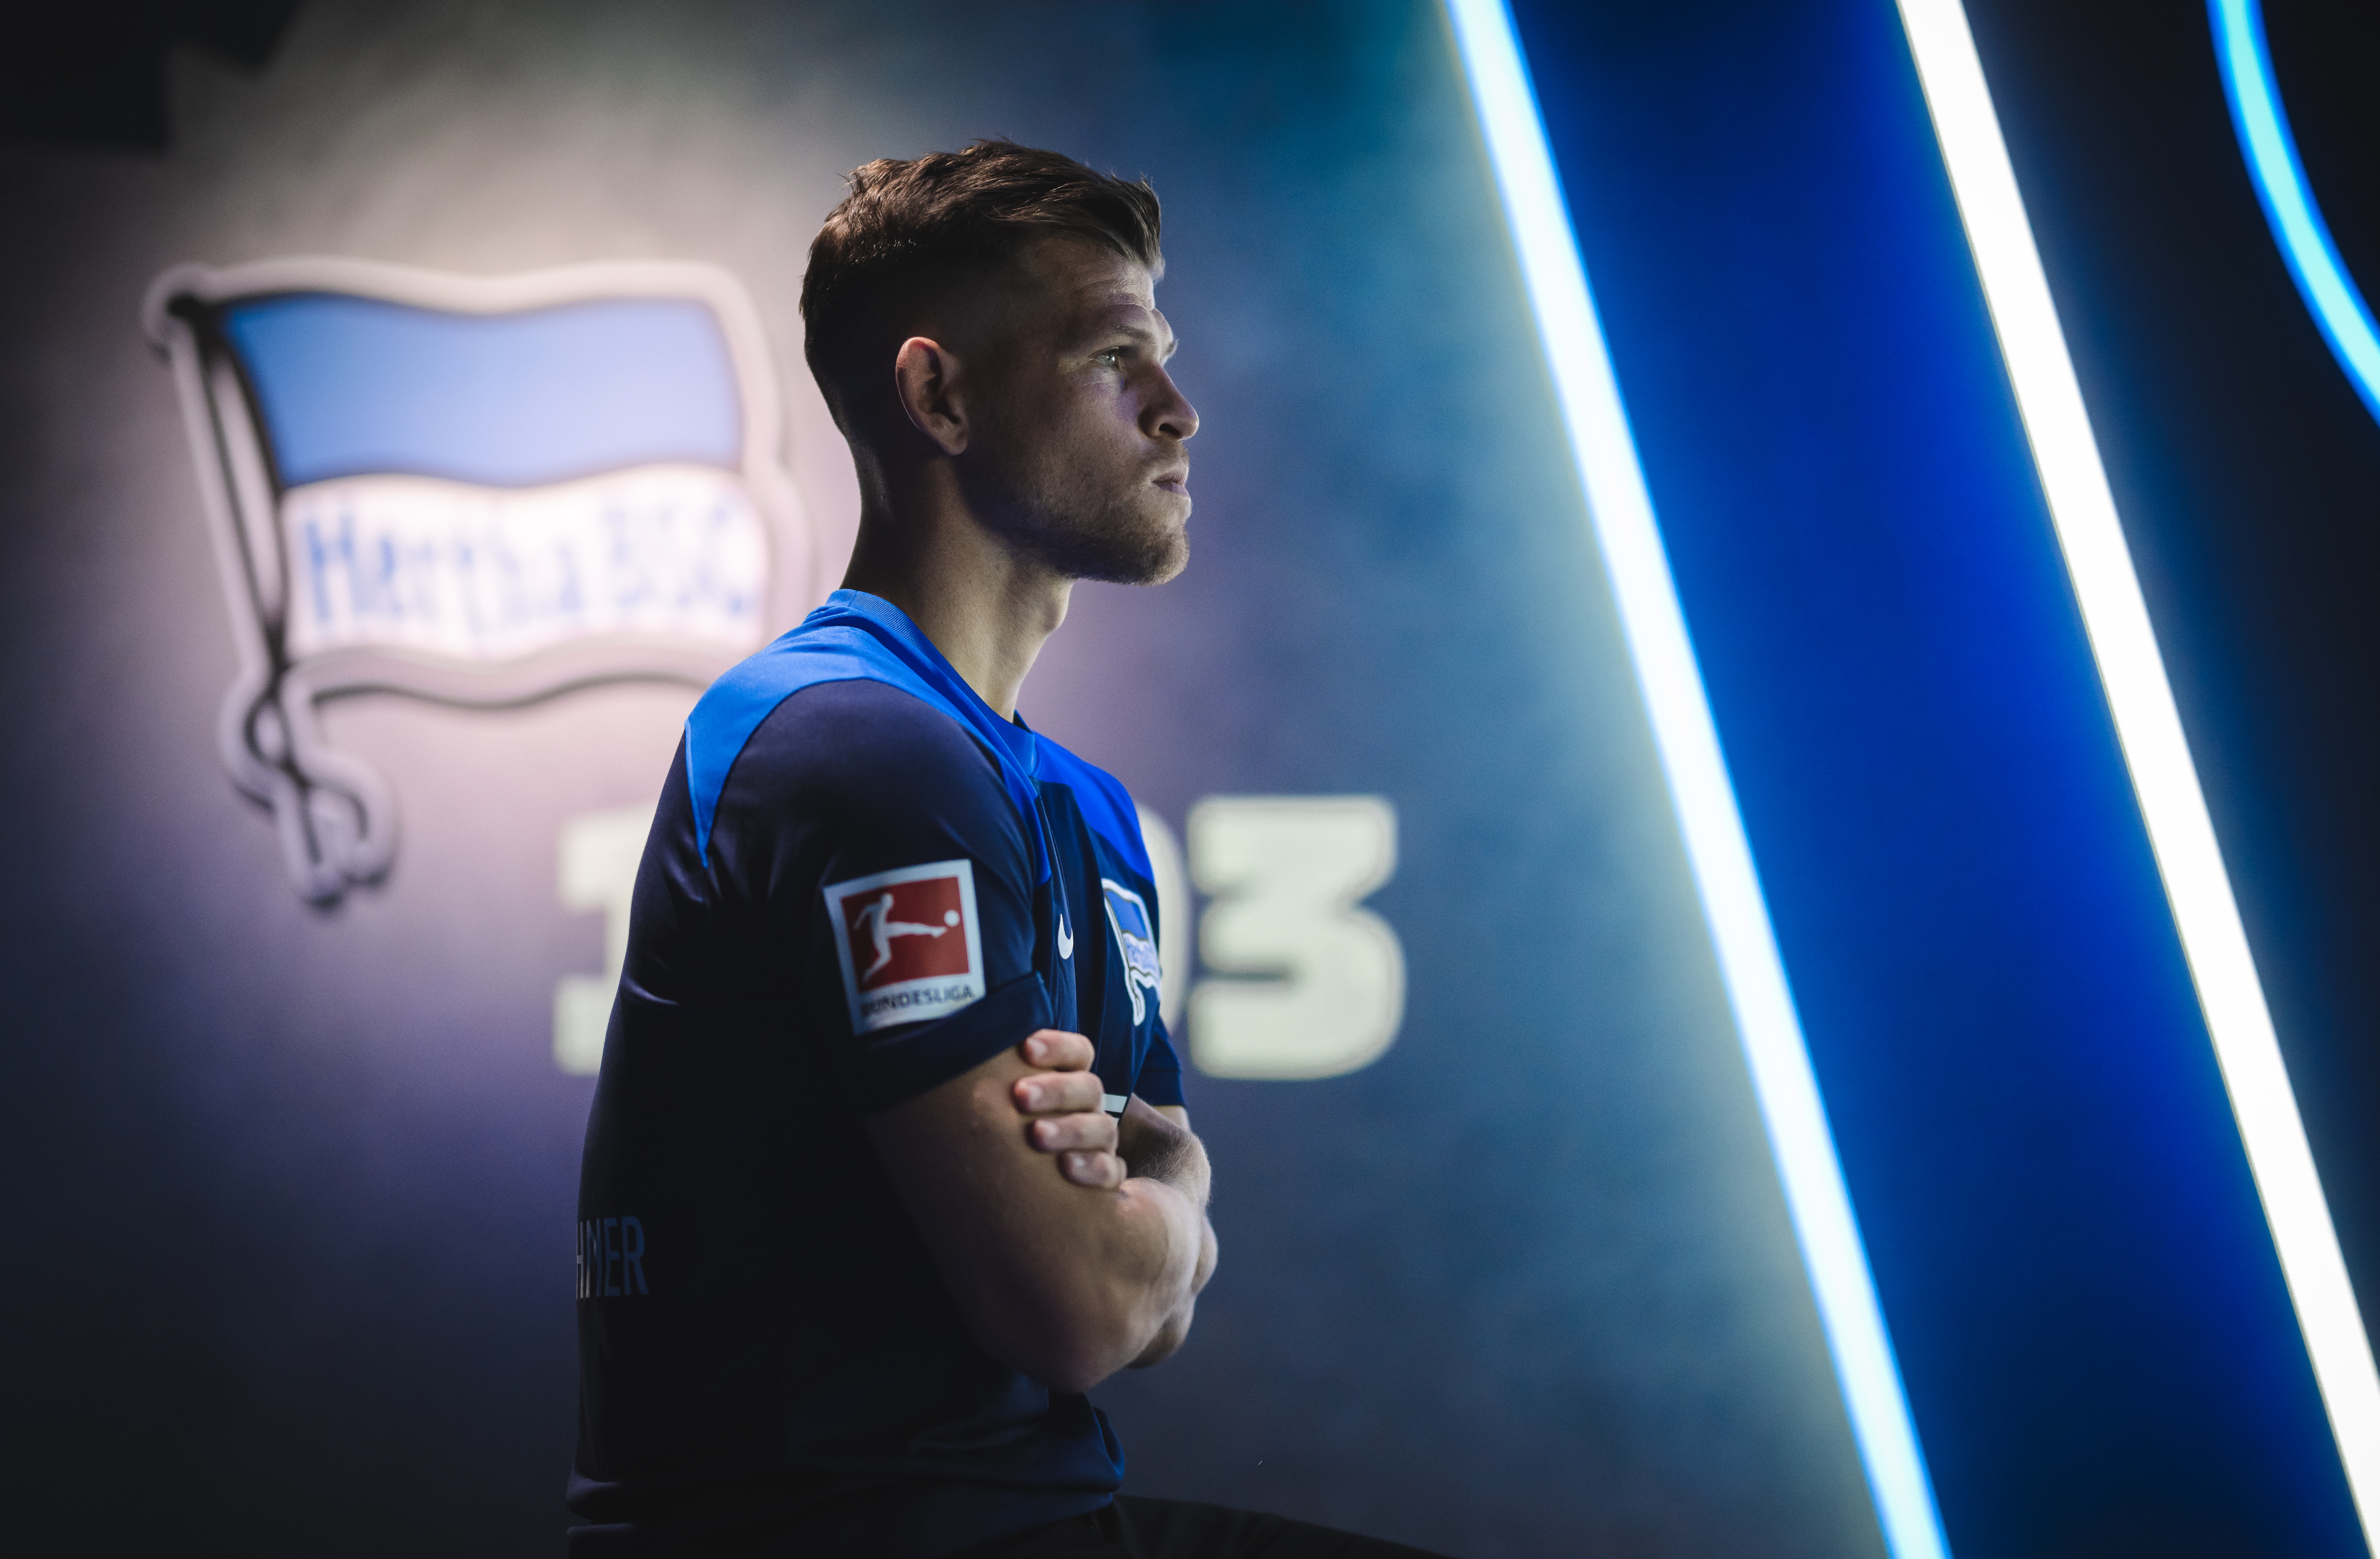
(1168, 413)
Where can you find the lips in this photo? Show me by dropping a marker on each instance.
(1173, 478)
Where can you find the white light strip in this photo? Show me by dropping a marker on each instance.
(2150, 728)
(1721, 854)
(2322, 280)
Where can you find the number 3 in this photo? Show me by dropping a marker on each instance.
(1322, 983)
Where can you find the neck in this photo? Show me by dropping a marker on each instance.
(985, 608)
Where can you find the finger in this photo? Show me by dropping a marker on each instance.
(1054, 1134)
(1058, 1049)
(1058, 1093)
(1101, 1172)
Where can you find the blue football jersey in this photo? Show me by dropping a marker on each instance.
(860, 884)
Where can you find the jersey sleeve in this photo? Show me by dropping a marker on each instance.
(1160, 1070)
(905, 879)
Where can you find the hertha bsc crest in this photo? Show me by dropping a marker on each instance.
(481, 491)
(1137, 940)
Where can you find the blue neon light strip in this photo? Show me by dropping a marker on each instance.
(2123, 643)
(2304, 238)
(1629, 536)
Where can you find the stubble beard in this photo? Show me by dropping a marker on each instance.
(1052, 521)
(1115, 548)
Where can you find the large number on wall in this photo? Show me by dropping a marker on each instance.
(1315, 986)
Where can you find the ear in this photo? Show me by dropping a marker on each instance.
(926, 376)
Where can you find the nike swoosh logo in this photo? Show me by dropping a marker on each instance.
(1066, 939)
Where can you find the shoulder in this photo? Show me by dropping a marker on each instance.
(847, 779)
(865, 747)
(864, 724)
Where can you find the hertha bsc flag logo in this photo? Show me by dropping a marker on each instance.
(908, 943)
(483, 491)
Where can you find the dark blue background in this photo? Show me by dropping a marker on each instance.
(2088, 1312)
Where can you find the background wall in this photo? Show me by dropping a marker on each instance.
(2247, 468)
(291, 1188)
(295, 1185)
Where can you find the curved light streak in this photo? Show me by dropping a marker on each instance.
(1622, 510)
(2123, 642)
(2304, 238)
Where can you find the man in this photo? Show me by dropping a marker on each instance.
(888, 1162)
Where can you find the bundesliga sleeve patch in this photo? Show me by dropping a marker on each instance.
(909, 944)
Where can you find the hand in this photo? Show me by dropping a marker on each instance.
(1061, 1102)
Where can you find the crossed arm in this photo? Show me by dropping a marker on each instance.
(1067, 1276)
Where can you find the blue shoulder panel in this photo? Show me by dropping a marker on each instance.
(1104, 803)
(854, 637)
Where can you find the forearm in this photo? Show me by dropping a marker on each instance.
(1066, 1282)
(1117, 1284)
(1177, 1328)
(1071, 1244)
(1126, 1295)
(1158, 1147)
